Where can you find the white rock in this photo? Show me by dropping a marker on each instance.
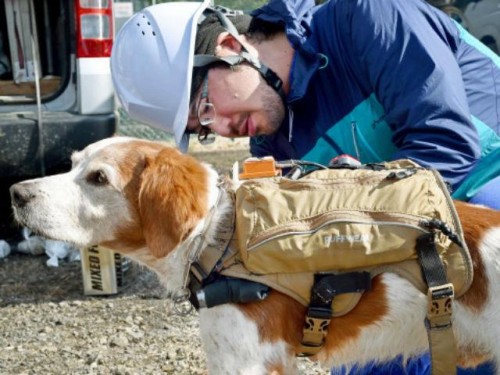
(32, 245)
(4, 249)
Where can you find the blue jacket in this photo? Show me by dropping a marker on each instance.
(383, 80)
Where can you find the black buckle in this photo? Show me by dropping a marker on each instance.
(319, 312)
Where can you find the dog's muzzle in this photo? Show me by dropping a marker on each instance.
(21, 194)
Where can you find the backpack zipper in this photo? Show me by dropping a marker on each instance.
(324, 220)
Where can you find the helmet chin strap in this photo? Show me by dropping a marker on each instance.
(267, 73)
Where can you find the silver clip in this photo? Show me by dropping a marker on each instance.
(182, 305)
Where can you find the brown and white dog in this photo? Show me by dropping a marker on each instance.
(148, 201)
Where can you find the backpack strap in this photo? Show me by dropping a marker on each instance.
(319, 312)
(440, 296)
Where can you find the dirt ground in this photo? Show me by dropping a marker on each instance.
(48, 326)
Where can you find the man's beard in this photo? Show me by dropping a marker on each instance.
(274, 110)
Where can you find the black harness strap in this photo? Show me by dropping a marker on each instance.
(319, 312)
(432, 265)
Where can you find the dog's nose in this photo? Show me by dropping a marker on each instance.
(21, 194)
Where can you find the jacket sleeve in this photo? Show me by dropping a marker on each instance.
(405, 50)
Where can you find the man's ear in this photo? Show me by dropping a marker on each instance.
(227, 45)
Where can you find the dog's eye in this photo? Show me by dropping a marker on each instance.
(97, 178)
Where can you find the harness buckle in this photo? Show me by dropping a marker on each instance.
(182, 304)
(440, 306)
(315, 329)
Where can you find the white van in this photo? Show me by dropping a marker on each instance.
(56, 93)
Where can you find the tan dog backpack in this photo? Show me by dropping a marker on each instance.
(343, 219)
(339, 227)
(322, 237)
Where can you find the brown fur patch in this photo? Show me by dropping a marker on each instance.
(172, 199)
(280, 317)
(475, 222)
(130, 160)
(371, 308)
(167, 192)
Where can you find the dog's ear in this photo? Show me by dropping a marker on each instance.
(172, 199)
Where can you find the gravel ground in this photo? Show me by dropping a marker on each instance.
(48, 326)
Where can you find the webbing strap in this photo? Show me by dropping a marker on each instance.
(440, 296)
(319, 313)
(208, 256)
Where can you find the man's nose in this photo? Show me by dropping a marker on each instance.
(224, 126)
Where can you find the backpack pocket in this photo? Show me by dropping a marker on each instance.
(333, 241)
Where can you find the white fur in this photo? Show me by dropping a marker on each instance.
(467, 323)
(232, 345)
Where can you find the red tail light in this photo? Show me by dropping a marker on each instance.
(94, 28)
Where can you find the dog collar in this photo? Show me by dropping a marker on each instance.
(206, 252)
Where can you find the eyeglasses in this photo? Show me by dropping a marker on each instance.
(206, 116)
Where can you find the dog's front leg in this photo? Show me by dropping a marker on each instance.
(233, 345)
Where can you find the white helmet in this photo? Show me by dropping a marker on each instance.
(153, 58)
(152, 63)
